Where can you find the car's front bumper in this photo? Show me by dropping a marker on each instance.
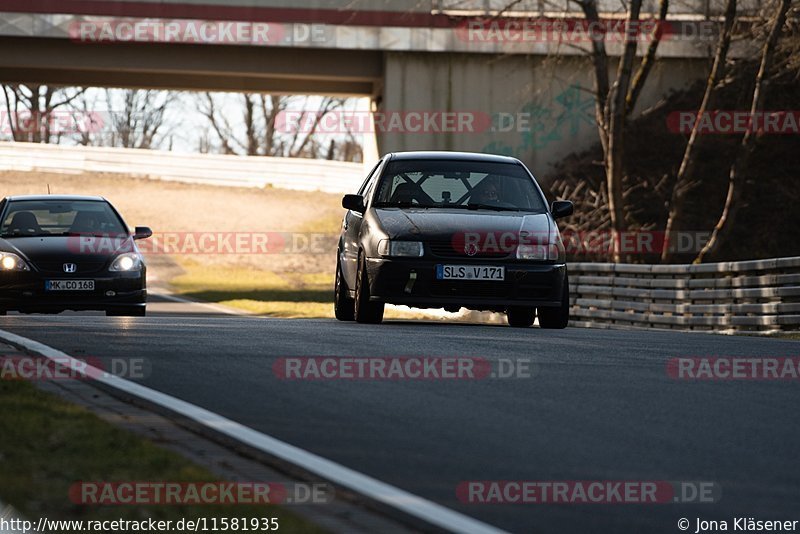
(25, 292)
(413, 282)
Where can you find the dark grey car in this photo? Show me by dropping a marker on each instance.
(451, 230)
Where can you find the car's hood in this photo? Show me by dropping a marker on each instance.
(72, 249)
(444, 224)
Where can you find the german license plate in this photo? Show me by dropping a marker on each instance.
(69, 285)
(470, 272)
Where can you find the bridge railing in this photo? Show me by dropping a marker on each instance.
(760, 296)
(237, 171)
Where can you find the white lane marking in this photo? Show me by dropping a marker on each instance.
(220, 309)
(372, 488)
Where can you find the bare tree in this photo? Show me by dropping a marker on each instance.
(139, 122)
(738, 170)
(615, 101)
(255, 133)
(33, 111)
(685, 182)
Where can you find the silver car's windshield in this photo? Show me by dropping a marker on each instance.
(458, 185)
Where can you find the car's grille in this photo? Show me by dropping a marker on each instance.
(57, 267)
(470, 288)
(449, 249)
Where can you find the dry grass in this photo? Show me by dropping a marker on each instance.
(176, 207)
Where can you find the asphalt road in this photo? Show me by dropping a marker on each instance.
(599, 406)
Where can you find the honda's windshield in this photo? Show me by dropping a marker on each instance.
(459, 185)
(47, 218)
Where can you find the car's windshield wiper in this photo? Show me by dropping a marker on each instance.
(404, 204)
(62, 234)
(477, 206)
(8, 236)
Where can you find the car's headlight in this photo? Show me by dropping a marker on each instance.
(126, 263)
(539, 252)
(387, 247)
(11, 262)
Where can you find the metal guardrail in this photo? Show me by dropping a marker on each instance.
(760, 296)
(237, 171)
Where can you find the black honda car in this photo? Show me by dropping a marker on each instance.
(62, 253)
(451, 230)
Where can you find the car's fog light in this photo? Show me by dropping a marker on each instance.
(111, 293)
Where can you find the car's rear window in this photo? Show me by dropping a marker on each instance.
(25, 218)
(458, 184)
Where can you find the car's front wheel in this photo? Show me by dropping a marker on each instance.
(127, 311)
(365, 311)
(556, 318)
(343, 305)
(520, 316)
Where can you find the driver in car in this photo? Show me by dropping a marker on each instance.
(486, 193)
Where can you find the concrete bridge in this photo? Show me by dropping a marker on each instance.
(520, 70)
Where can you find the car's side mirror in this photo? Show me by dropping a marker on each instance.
(142, 232)
(562, 208)
(354, 203)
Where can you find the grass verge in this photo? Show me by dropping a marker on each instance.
(46, 445)
(288, 295)
(294, 295)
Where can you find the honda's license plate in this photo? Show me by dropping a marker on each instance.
(69, 285)
(470, 272)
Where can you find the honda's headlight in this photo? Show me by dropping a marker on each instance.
(11, 262)
(412, 249)
(129, 262)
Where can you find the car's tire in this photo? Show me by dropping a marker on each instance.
(344, 308)
(520, 316)
(127, 311)
(556, 318)
(364, 310)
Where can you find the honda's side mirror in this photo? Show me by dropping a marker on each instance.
(562, 208)
(354, 203)
(142, 232)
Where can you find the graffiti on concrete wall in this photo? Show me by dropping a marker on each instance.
(537, 126)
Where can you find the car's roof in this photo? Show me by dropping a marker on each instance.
(451, 156)
(56, 198)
